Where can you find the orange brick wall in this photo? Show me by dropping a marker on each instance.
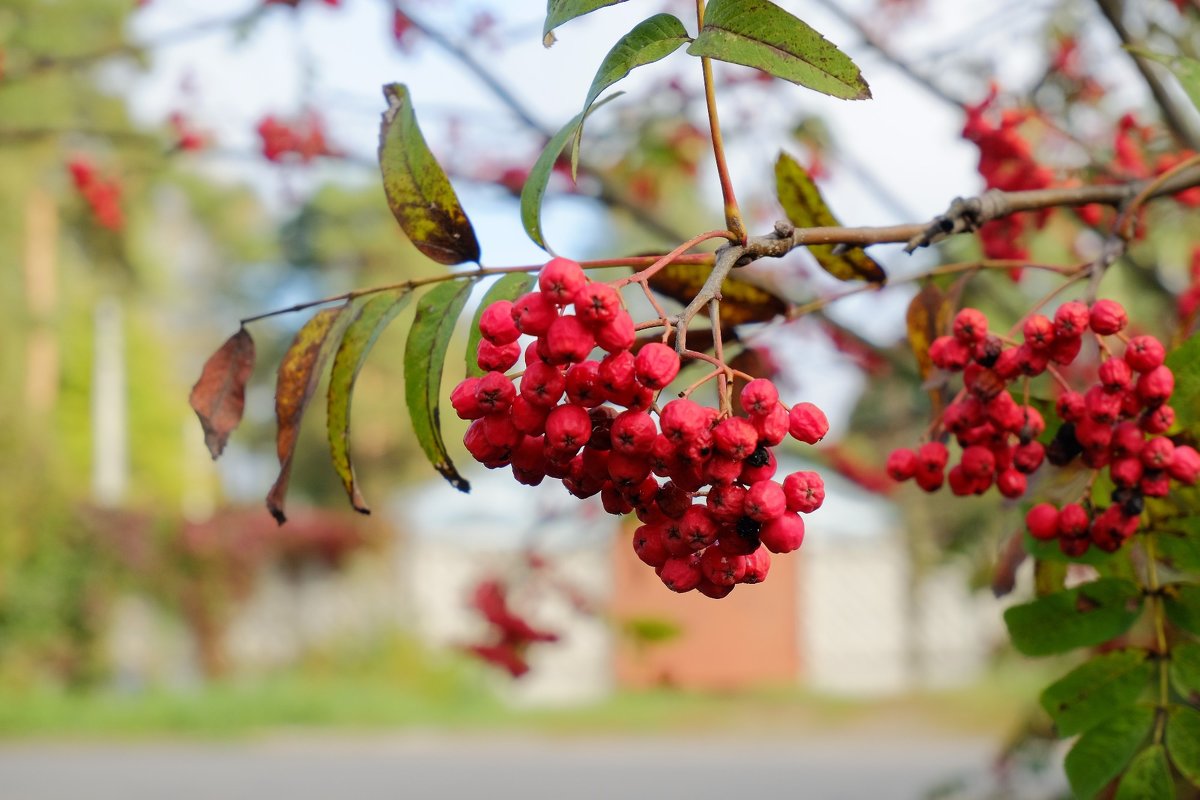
(748, 638)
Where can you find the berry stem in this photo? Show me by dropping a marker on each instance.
(724, 383)
(672, 257)
(1123, 225)
(733, 215)
(1162, 648)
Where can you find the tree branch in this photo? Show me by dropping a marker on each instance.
(1178, 123)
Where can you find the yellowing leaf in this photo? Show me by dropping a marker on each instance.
(417, 189)
(805, 208)
(741, 302)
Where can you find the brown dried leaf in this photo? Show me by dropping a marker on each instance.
(928, 316)
(299, 374)
(219, 396)
(741, 301)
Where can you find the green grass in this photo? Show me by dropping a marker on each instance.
(395, 686)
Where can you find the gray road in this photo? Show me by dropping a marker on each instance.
(399, 768)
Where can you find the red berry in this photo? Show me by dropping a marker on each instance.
(1144, 353)
(1116, 375)
(633, 433)
(568, 340)
(1073, 521)
(682, 420)
(807, 423)
(772, 427)
(978, 462)
(1157, 453)
(1028, 457)
(1158, 420)
(568, 427)
(901, 464)
(1039, 332)
(616, 334)
(722, 568)
(727, 503)
(464, 402)
(1065, 350)
(616, 374)
(735, 437)
(970, 326)
(625, 470)
(949, 353)
(1071, 320)
(560, 279)
(1071, 406)
(1155, 387)
(1011, 483)
(681, 573)
(805, 491)
(698, 527)
(582, 383)
(495, 392)
(1126, 471)
(656, 365)
(542, 384)
(1042, 521)
(722, 469)
(759, 397)
(528, 418)
(765, 500)
(753, 474)
(1107, 317)
(758, 564)
(714, 590)
(1185, 465)
(597, 304)
(496, 323)
(783, 534)
(497, 357)
(533, 313)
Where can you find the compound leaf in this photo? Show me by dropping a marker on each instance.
(1086, 615)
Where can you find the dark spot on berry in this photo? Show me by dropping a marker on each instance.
(747, 527)
(759, 458)
(1065, 447)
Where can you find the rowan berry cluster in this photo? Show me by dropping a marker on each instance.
(1116, 425)
(511, 634)
(103, 196)
(701, 482)
(300, 140)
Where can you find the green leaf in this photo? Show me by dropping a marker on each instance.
(1148, 777)
(509, 287)
(650, 40)
(1184, 361)
(1097, 689)
(760, 34)
(1185, 669)
(424, 357)
(805, 208)
(1186, 70)
(535, 185)
(1180, 550)
(1087, 615)
(1101, 753)
(560, 11)
(1182, 604)
(299, 373)
(1183, 742)
(367, 322)
(417, 189)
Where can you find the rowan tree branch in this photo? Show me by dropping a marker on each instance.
(1178, 122)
